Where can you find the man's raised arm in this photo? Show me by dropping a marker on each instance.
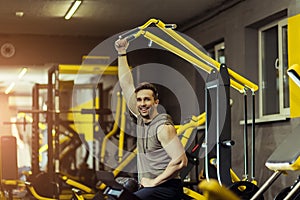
(125, 76)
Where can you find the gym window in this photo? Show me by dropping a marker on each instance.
(217, 52)
(220, 52)
(273, 64)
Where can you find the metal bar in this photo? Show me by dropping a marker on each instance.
(35, 132)
(129, 33)
(292, 192)
(177, 51)
(205, 144)
(49, 119)
(205, 57)
(266, 185)
(181, 40)
(253, 138)
(88, 69)
(48, 111)
(168, 29)
(94, 128)
(188, 57)
(82, 111)
(56, 107)
(194, 122)
(218, 113)
(114, 129)
(246, 159)
(224, 113)
(235, 85)
(24, 123)
(148, 23)
(122, 130)
(218, 135)
(243, 80)
(101, 106)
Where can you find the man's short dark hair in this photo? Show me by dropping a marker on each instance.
(147, 86)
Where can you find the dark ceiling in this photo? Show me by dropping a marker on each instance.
(101, 18)
(94, 18)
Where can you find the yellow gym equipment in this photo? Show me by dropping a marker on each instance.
(198, 59)
(293, 58)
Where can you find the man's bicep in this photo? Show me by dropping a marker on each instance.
(171, 142)
(174, 148)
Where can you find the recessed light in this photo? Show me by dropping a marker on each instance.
(19, 14)
(75, 5)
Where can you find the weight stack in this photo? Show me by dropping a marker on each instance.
(8, 158)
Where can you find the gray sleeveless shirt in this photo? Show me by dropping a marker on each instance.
(152, 159)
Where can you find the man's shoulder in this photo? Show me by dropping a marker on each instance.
(163, 117)
(164, 123)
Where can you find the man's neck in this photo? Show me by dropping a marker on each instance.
(148, 121)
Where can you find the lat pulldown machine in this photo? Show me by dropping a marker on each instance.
(218, 129)
(219, 76)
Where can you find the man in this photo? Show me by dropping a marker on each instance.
(160, 153)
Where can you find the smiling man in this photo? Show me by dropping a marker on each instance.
(147, 99)
(160, 153)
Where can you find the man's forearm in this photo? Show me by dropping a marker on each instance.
(126, 82)
(124, 72)
(170, 172)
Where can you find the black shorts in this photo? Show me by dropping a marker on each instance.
(171, 189)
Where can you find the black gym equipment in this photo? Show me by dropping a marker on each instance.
(193, 158)
(218, 126)
(115, 190)
(218, 108)
(245, 189)
(283, 193)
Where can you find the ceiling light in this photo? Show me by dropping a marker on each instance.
(10, 87)
(72, 9)
(22, 72)
(19, 14)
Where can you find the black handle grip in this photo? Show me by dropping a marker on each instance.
(172, 26)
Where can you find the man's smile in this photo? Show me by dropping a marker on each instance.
(144, 109)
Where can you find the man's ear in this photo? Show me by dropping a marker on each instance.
(157, 101)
